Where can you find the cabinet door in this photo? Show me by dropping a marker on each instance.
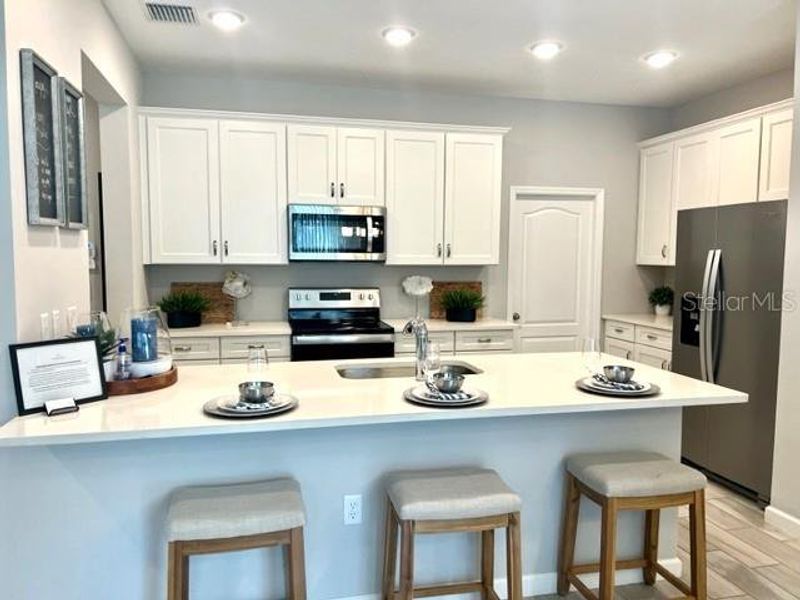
(183, 181)
(415, 197)
(619, 348)
(776, 155)
(253, 183)
(473, 171)
(655, 239)
(654, 357)
(360, 166)
(737, 152)
(692, 173)
(312, 164)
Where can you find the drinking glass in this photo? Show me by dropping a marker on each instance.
(433, 359)
(590, 355)
(257, 362)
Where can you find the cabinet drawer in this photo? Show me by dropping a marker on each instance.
(196, 363)
(620, 331)
(239, 347)
(195, 348)
(243, 361)
(484, 341)
(655, 357)
(658, 338)
(407, 344)
(619, 348)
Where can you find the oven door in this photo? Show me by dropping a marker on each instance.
(330, 232)
(342, 346)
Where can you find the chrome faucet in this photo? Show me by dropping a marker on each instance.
(419, 329)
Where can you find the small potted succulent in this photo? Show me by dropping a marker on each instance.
(184, 308)
(662, 298)
(461, 304)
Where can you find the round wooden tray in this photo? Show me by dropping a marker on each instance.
(145, 384)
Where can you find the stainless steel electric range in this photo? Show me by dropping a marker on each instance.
(330, 324)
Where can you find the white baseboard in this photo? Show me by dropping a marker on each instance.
(782, 520)
(545, 583)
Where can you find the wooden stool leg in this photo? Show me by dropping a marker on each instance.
(697, 536)
(177, 572)
(487, 563)
(514, 558)
(651, 522)
(569, 531)
(389, 552)
(608, 540)
(296, 566)
(407, 560)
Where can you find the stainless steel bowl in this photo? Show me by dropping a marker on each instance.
(618, 373)
(447, 382)
(256, 392)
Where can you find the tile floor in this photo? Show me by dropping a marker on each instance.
(747, 559)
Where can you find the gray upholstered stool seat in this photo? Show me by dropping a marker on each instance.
(461, 493)
(227, 511)
(634, 474)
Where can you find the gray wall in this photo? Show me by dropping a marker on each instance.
(750, 94)
(551, 143)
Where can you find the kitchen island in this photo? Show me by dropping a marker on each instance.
(97, 482)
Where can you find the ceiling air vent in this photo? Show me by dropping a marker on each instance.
(170, 13)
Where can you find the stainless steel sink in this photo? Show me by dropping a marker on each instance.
(402, 370)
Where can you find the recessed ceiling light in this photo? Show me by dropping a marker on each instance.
(660, 58)
(398, 36)
(227, 20)
(546, 50)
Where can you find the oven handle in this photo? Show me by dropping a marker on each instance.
(354, 338)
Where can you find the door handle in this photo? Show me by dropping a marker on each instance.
(713, 290)
(704, 316)
(439, 250)
(664, 251)
(449, 251)
(341, 190)
(516, 316)
(214, 247)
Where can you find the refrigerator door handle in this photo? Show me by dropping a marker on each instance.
(713, 290)
(704, 317)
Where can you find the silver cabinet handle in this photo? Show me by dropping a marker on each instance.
(215, 247)
(516, 316)
(449, 251)
(627, 355)
(341, 190)
(619, 330)
(333, 190)
(181, 348)
(484, 340)
(664, 365)
(225, 247)
(664, 251)
(651, 337)
(439, 250)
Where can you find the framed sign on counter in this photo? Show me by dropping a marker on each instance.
(73, 155)
(42, 141)
(56, 369)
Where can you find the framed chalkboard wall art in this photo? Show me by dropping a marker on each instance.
(42, 141)
(73, 154)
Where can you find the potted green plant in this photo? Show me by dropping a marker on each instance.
(461, 304)
(96, 324)
(662, 298)
(184, 308)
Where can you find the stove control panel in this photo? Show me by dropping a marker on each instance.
(334, 298)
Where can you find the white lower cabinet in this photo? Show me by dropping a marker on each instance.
(620, 348)
(655, 357)
(484, 341)
(405, 345)
(649, 345)
(195, 348)
(228, 349)
(238, 348)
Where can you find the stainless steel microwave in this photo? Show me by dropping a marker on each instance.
(328, 232)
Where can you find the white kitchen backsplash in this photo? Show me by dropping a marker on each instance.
(268, 301)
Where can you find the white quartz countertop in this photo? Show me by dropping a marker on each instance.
(643, 319)
(442, 325)
(517, 384)
(252, 328)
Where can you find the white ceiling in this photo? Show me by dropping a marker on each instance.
(479, 46)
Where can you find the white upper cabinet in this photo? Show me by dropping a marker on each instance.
(330, 165)
(692, 174)
(183, 189)
(776, 155)
(360, 166)
(654, 242)
(312, 164)
(473, 172)
(253, 192)
(736, 169)
(415, 197)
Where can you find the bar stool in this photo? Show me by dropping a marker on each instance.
(227, 518)
(444, 501)
(631, 481)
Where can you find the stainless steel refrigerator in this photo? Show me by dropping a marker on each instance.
(728, 298)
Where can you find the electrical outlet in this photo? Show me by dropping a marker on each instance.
(352, 509)
(45, 326)
(56, 322)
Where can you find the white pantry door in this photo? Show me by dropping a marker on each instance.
(554, 278)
